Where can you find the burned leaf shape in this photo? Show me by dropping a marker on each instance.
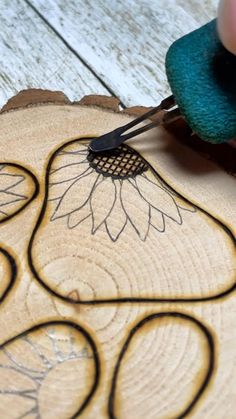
(18, 186)
(115, 230)
(167, 356)
(49, 371)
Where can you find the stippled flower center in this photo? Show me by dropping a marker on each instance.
(120, 163)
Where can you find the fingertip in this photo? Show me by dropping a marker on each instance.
(227, 24)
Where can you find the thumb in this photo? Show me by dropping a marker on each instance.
(227, 24)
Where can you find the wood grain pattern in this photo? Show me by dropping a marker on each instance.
(125, 42)
(132, 358)
(33, 56)
(30, 366)
(135, 357)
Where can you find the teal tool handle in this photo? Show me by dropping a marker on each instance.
(202, 77)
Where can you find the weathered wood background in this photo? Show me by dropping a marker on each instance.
(85, 46)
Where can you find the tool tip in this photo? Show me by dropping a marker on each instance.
(94, 146)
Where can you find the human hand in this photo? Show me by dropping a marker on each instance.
(227, 24)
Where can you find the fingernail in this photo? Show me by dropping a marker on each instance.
(227, 24)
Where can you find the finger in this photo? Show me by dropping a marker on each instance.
(227, 24)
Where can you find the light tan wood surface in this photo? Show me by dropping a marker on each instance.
(117, 272)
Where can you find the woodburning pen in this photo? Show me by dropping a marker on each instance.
(202, 77)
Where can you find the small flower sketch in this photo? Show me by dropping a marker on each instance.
(31, 363)
(17, 188)
(131, 193)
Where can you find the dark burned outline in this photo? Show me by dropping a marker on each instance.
(87, 336)
(10, 258)
(124, 299)
(211, 359)
(28, 201)
(13, 275)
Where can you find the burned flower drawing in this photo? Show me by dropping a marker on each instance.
(112, 189)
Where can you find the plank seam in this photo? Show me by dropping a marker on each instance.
(74, 52)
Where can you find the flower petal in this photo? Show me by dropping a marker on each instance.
(67, 172)
(8, 198)
(8, 181)
(116, 221)
(151, 177)
(74, 148)
(185, 206)
(57, 190)
(159, 199)
(136, 208)
(18, 188)
(77, 217)
(180, 202)
(102, 201)
(76, 195)
(157, 220)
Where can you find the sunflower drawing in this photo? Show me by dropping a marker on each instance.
(29, 368)
(111, 189)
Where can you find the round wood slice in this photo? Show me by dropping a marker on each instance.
(117, 270)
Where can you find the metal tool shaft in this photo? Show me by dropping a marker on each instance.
(116, 137)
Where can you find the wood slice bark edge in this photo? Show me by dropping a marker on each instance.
(222, 154)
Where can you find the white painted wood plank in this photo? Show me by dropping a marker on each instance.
(126, 41)
(31, 55)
